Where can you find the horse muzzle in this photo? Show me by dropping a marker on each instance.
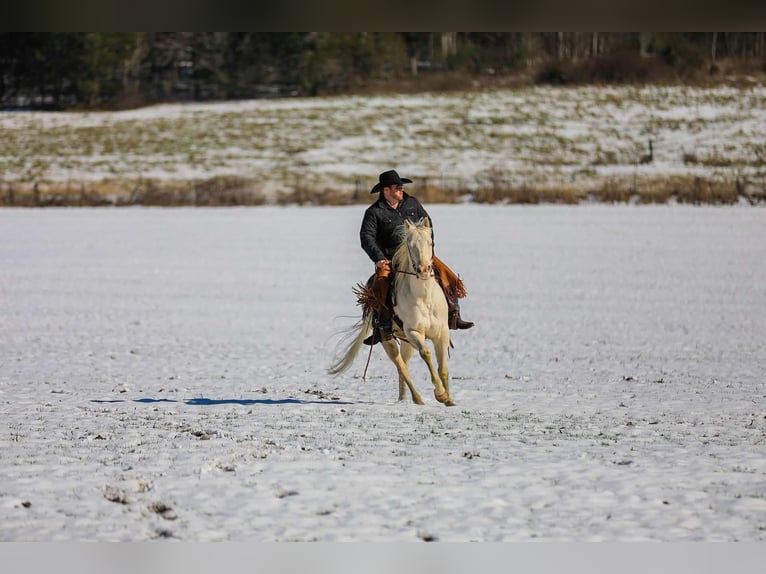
(423, 272)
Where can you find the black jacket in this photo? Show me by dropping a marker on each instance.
(381, 222)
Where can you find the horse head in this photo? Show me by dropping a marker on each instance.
(420, 247)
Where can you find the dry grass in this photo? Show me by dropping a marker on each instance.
(217, 191)
(233, 191)
(528, 195)
(303, 195)
(682, 189)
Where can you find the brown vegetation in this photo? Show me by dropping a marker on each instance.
(232, 191)
(528, 195)
(681, 189)
(217, 191)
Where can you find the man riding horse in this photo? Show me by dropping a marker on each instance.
(379, 240)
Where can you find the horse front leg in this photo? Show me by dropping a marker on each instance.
(406, 351)
(400, 359)
(419, 342)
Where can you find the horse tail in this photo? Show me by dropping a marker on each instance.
(356, 335)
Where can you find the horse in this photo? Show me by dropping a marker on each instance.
(421, 308)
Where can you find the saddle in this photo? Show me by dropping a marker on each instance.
(447, 279)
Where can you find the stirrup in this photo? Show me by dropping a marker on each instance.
(373, 339)
(381, 330)
(378, 334)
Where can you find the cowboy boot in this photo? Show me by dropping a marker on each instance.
(455, 322)
(453, 289)
(382, 326)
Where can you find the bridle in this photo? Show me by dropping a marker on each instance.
(396, 270)
(412, 262)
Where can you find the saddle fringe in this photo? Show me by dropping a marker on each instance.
(457, 289)
(453, 285)
(365, 298)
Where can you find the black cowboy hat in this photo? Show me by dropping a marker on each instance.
(388, 178)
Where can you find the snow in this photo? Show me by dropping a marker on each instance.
(579, 138)
(163, 376)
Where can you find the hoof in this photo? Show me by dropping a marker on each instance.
(442, 397)
(415, 399)
(449, 403)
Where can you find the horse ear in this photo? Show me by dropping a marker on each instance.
(408, 224)
(426, 223)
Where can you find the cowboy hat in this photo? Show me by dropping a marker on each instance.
(388, 178)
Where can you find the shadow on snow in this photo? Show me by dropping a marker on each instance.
(203, 402)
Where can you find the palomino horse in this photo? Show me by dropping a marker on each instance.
(420, 305)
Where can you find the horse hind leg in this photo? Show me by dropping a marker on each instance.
(400, 360)
(441, 346)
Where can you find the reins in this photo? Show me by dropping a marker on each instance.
(369, 356)
(412, 262)
(405, 272)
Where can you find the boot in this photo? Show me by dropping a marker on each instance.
(453, 289)
(382, 327)
(382, 330)
(455, 322)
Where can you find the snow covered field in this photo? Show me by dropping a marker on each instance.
(163, 375)
(578, 138)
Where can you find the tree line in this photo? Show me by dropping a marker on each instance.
(98, 70)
